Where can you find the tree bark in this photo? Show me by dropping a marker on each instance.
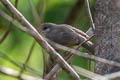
(107, 45)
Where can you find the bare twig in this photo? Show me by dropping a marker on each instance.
(89, 74)
(84, 55)
(113, 76)
(15, 74)
(75, 52)
(33, 32)
(89, 14)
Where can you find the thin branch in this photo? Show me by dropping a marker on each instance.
(33, 32)
(89, 14)
(89, 74)
(84, 55)
(113, 76)
(15, 74)
(28, 58)
(77, 53)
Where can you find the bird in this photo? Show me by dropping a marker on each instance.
(66, 35)
(62, 34)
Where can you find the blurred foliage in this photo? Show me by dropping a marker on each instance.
(18, 43)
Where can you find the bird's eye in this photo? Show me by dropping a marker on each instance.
(46, 29)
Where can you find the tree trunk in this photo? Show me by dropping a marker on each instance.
(107, 20)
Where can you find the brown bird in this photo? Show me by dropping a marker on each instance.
(65, 35)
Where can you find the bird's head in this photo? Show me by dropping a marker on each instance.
(47, 27)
